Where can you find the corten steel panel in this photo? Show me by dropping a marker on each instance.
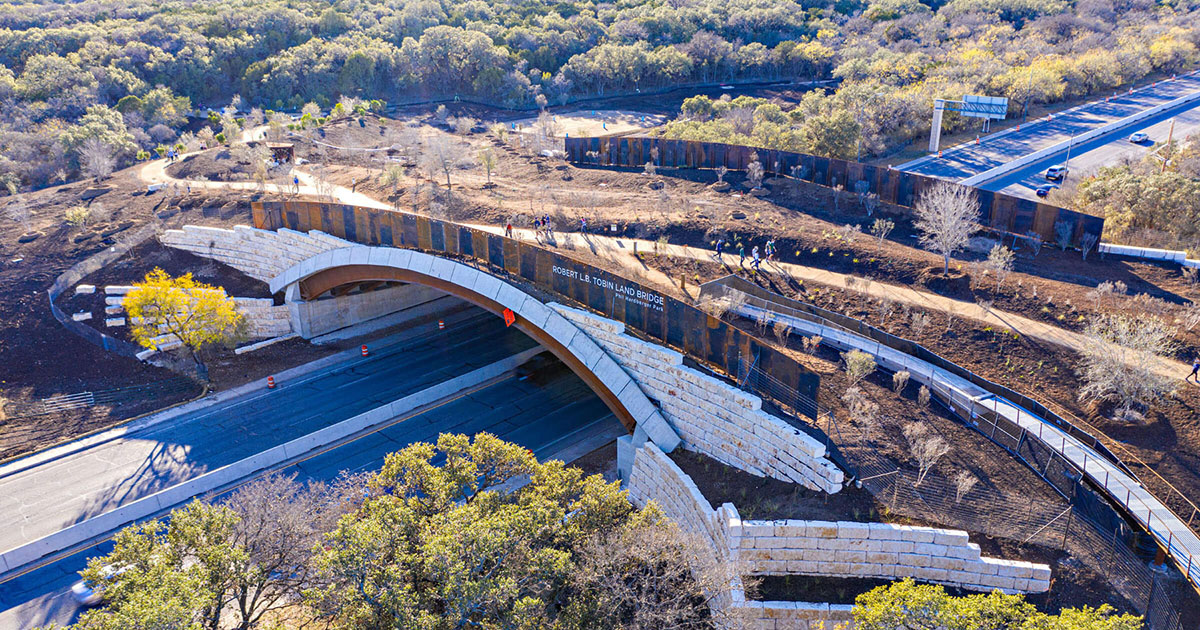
(495, 250)
(437, 236)
(837, 174)
(512, 256)
(1092, 225)
(450, 237)
(479, 245)
(1043, 222)
(424, 240)
(386, 235)
(350, 220)
(466, 243)
(258, 216)
(528, 261)
(820, 171)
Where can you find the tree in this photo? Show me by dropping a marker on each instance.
(1000, 262)
(926, 449)
(441, 154)
(881, 228)
(863, 410)
(906, 604)
(392, 176)
(859, 365)
(457, 544)
(1121, 361)
(197, 315)
(963, 482)
(96, 158)
(754, 172)
(487, 159)
(1063, 231)
(946, 216)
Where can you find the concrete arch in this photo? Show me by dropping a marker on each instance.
(322, 272)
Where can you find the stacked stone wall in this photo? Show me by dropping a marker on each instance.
(711, 416)
(260, 254)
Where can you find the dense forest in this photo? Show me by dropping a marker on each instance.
(66, 66)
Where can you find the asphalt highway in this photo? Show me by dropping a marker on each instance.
(1107, 150)
(67, 490)
(966, 160)
(547, 413)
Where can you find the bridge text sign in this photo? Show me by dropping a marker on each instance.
(628, 292)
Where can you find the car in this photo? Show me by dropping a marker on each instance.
(1042, 191)
(89, 594)
(1057, 172)
(538, 363)
(1139, 137)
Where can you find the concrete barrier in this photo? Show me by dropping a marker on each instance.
(1112, 127)
(152, 505)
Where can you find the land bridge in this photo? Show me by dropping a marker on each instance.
(655, 361)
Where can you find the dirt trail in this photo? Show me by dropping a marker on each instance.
(621, 250)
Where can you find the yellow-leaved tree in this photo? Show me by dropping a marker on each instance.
(162, 309)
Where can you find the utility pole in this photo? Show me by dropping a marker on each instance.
(1170, 137)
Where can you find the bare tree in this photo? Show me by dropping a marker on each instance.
(946, 215)
(859, 365)
(487, 159)
(1035, 242)
(1102, 291)
(1087, 242)
(96, 158)
(441, 155)
(754, 172)
(881, 228)
(963, 482)
(1063, 230)
(280, 522)
(1000, 262)
(722, 170)
(1120, 360)
(923, 397)
(463, 124)
(900, 380)
(18, 211)
(863, 411)
(812, 344)
(920, 321)
(926, 449)
(782, 332)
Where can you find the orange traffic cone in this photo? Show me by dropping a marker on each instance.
(441, 325)
(364, 350)
(270, 382)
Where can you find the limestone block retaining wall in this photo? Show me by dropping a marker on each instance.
(711, 416)
(656, 478)
(260, 254)
(881, 550)
(264, 318)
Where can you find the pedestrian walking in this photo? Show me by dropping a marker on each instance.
(583, 225)
(754, 254)
(537, 226)
(770, 250)
(1195, 371)
(546, 224)
(720, 246)
(508, 230)
(741, 254)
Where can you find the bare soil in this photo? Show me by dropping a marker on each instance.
(41, 359)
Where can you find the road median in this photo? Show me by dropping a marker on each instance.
(32, 554)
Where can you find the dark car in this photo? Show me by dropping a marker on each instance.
(542, 362)
(1043, 191)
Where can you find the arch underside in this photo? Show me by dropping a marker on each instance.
(348, 276)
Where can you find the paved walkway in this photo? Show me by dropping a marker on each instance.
(620, 249)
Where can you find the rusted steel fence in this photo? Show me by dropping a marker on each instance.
(1000, 212)
(643, 309)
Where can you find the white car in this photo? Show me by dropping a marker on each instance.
(1139, 137)
(89, 594)
(1056, 172)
